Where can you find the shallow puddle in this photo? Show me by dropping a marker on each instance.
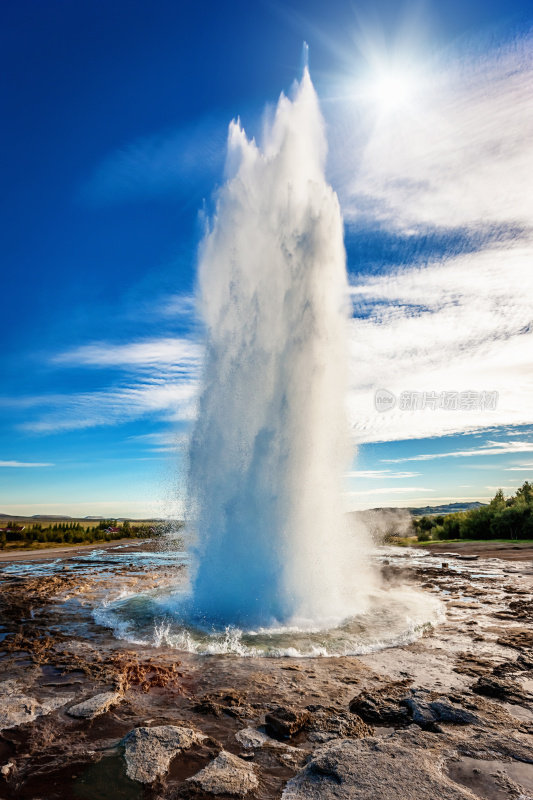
(107, 780)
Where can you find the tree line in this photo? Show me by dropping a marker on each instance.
(502, 518)
(107, 530)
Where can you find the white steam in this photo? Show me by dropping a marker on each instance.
(271, 440)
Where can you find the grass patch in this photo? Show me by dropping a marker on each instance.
(473, 541)
(403, 541)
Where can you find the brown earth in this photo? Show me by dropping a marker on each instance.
(506, 551)
(411, 721)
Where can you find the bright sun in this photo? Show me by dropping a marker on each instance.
(391, 90)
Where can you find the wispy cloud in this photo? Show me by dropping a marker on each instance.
(510, 487)
(389, 490)
(180, 353)
(459, 325)
(23, 464)
(165, 400)
(163, 441)
(160, 381)
(380, 474)
(159, 164)
(493, 449)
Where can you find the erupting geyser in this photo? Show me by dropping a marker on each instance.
(276, 568)
(271, 440)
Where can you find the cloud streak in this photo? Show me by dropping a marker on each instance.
(180, 353)
(494, 449)
(457, 325)
(115, 406)
(24, 464)
(156, 165)
(389, 490)
(380, 474)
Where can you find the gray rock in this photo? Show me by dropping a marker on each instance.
(444, 711)
(498, 687)
(373, 769)
(321, 737)
(421, 713)
(149, 751)
(254, 739)
(95, 706)
(18, 708)
(226, 775)
(428, 713)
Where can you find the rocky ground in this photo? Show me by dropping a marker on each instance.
(83, 715)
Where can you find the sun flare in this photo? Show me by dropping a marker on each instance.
(391, 90)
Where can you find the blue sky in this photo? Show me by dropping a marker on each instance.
(115, 119)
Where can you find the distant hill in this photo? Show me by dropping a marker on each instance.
(448, 508)
(65, 518)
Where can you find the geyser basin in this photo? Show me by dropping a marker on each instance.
(394, 617)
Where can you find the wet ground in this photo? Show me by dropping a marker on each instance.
(53, 654)
(505, 551)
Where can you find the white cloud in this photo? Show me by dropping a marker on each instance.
(461, 155)
(461, 325)
(380, 474)
(509, 486)
(493, 449)
(389, 490)
(163, 441)
(179, 353)
(24, 464)
(117, 405)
